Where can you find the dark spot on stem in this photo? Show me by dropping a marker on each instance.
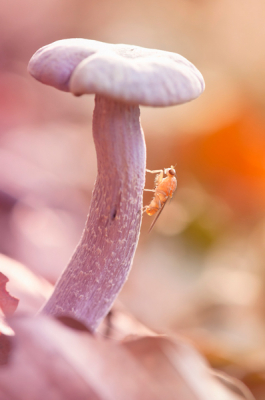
(114, 213)
(116, 207)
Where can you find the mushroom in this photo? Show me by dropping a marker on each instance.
(122, 77)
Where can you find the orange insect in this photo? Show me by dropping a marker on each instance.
(164, 189)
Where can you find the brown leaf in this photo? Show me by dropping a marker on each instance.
(120, 323)
(8, 303)
(50, 360)
(177, 369)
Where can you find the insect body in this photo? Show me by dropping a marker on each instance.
(164, 189)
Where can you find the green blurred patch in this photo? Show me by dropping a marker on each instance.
(201, 233)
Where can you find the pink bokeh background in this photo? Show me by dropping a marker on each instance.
(201, 270)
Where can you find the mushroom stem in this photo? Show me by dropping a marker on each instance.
(101, 262)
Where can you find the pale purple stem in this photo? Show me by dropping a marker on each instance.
(102, 260)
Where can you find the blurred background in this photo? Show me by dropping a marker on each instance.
(201, 271)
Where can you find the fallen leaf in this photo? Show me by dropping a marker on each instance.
(50, 360)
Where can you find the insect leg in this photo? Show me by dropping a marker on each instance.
(162, 192)
(159, 178)
(155, 171)
(144, 209)
(149, 190)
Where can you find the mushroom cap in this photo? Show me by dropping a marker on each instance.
(126, 73)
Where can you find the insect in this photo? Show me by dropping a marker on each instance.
(164, 189)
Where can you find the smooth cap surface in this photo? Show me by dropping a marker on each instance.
(131, 74)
